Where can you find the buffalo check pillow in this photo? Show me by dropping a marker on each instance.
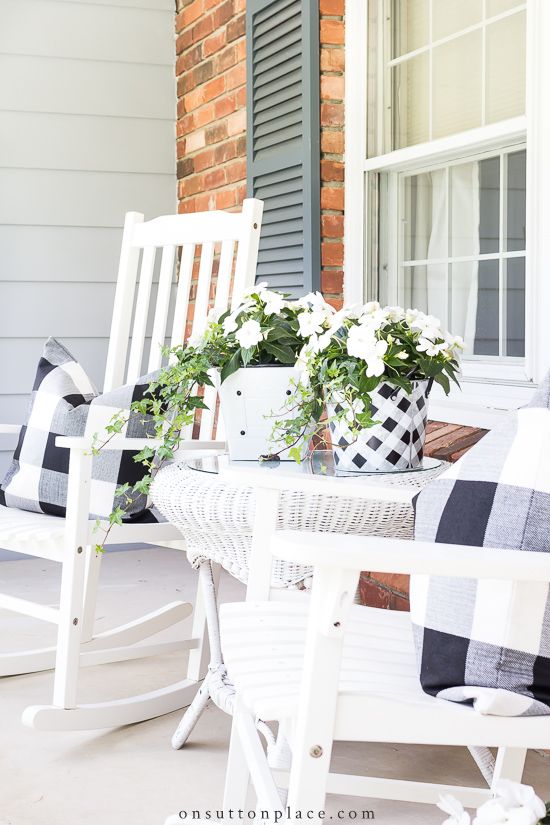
(487, 642)
(65, 402)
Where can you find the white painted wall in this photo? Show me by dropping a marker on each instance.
(87, 132)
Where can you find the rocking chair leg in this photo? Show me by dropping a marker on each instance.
(69, 635)
(237, 776)
(93, 568)
(510, 763)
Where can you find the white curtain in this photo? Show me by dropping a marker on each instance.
(455, 303)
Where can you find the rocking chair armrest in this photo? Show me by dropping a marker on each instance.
(86, 443)
(390, 555)
(10, 429)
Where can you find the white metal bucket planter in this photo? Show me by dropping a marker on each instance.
(249, 398)
(395, 442)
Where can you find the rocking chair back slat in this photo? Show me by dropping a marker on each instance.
(122, 309)
(182, 295)
(139, 330)
(221, 300)
(166, 278)
(134, 320)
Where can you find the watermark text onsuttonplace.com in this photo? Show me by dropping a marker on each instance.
(281, 816)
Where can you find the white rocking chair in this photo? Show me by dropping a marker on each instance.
(330, 670)
(71, 541)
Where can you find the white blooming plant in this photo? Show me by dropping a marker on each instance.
(512, 804)
(347, 354)
(264, 329)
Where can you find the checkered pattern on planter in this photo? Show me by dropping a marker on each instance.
(395, 443)
(65, 402)
(488, 641)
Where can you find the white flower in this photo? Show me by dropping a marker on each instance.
(229, 324)
(376, 320)
(315, 300)
(362, 343)
(515, 804)
(454, 341)
(370, 307)
(255, 289)
(273, 301)
(457, 815)
(427, 346)
(249, 334)
(402, 355)
(311, 322)
(197, 336)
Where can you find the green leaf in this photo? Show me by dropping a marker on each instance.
(295, 454)
(246, 356)
(283, 354)
(231, 366)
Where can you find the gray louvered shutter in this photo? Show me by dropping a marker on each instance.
(283, 153)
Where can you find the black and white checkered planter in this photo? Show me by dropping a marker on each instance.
(395, 443)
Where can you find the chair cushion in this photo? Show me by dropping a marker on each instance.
(488, 642)
(65, 402)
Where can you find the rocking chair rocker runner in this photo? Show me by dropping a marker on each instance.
(71, 541)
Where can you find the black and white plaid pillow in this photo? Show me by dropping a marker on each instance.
(487, 642)
(65, 402)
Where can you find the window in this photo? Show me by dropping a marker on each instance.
(461, 251)
(445, 186)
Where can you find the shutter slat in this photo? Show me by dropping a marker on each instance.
(277, 268)
(273, 34)
(294, 54)
(288, 11)
(267, 11)
(279, 46)
(279, 228)
(276, 215)
(277, 91)
(279, 110)
(283, 152)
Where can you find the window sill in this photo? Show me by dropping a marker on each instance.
(478, 404)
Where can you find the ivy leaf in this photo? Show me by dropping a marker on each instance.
(295, 454)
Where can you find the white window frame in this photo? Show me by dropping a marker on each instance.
(481, 398)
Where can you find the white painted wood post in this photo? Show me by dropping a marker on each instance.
(72, 580)
(91, 585)
(261, 560)
(509, 764)
(332, 595)
(247, 252)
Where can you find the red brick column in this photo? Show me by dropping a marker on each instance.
(211, 125)
(332, 148)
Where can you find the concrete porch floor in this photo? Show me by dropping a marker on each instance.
(131, 774)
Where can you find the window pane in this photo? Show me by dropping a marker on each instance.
(484, 308)
(425, 220)
(505, 83)
(515, 211)
(489, 205)
(475, 208)
(456, 85)
(515, 307)
(410, 102)
(426, 288)
(500, 6)
(451, 16)
(410, 25)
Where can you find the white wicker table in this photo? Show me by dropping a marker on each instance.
(214, 503)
